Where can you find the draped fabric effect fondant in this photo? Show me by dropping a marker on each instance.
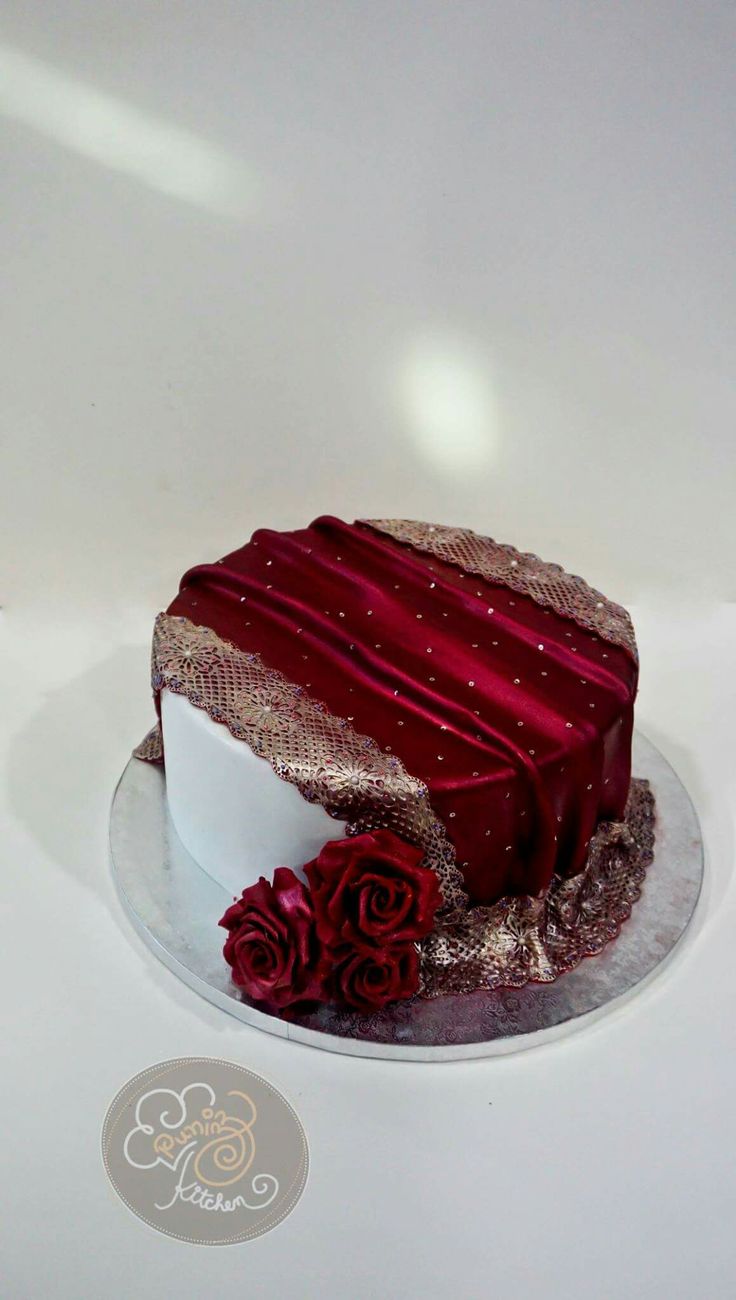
(517, 719)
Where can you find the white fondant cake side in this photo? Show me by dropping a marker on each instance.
(233, 814)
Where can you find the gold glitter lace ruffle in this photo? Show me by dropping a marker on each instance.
(509, 944)
(546, 584)
(523, 939)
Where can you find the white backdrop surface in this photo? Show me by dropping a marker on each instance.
(471, 263)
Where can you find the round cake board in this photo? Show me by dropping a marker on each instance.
(175, 906)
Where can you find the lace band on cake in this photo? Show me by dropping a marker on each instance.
(516, 940)
(328, 761)
(546, 584)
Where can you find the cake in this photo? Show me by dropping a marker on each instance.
(405, 750)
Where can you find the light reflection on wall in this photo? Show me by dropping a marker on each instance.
(448, 402)
(110, 131)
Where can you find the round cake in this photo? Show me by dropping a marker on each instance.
(414, 739)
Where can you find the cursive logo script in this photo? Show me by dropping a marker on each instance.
(189, 1150)
(206, 1146)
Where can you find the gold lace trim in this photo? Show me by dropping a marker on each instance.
(151, 748)
(546, 584)
(328, 761)
(523, 939)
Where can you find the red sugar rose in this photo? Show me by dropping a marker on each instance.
(370, 978)
(272, 946)
(369, 891)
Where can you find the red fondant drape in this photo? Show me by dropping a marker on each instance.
(518, 721)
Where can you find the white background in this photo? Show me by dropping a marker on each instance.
(467, 262)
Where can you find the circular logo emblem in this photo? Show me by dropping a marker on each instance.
(205, 1150)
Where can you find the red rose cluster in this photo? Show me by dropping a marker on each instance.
(350, 938)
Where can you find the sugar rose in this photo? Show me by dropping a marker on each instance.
(370, 891)
(272, 946)
(370, 978)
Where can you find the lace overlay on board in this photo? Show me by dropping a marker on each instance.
(523, 939)
(151, 748)
(546, 584)
(518, 939)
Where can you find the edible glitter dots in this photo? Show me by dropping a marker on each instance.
(540, 647)
(568, 724)
(471, 683)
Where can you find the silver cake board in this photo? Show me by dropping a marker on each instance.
(175, 906)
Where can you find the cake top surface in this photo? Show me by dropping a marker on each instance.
(503, 684)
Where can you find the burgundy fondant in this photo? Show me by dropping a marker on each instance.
(518, 721)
